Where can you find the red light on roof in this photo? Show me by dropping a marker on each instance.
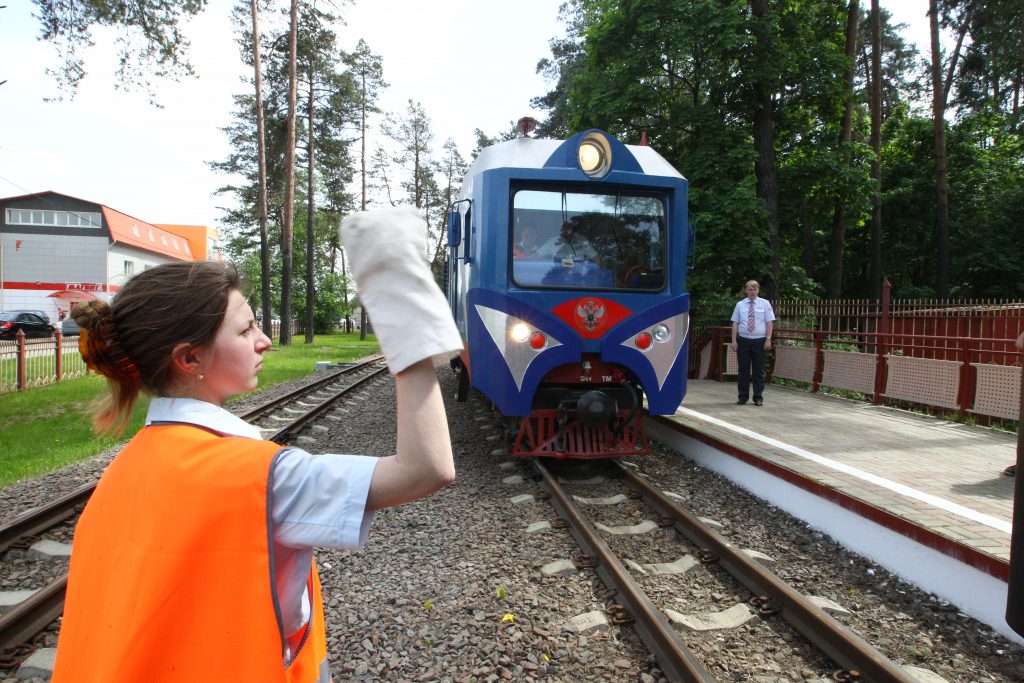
(538, 341)
(643, 341)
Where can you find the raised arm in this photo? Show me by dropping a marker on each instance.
(423, 462)
(414, 326)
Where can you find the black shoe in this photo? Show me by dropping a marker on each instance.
(1011, 471)
(758, 402)
(741, 402)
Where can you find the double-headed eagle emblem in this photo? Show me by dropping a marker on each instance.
(590, 313)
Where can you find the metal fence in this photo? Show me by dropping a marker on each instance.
(26, 363)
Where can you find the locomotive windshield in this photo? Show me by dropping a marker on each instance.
(584, 240)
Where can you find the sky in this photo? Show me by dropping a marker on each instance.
(469, 63)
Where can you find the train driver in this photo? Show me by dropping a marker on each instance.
(571, 244)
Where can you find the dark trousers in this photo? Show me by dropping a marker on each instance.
(750, 354)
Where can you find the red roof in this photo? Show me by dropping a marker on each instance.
(136, 233)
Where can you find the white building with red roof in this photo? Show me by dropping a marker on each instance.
(56, 250)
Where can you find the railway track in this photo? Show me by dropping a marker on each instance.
(283, 420)
(697, 544)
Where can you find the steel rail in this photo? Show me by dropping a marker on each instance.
(674, 658)
(283, 435)
(842, 645)
(33, 615)
(329, 379)
(39, 519)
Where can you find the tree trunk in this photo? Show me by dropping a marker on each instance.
(834, 279)
(261, 146)
(764, 144)
(875, 272)
(310, 216)
(289, 182)
(941, 179)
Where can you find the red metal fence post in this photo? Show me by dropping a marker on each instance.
(882, 341)
(965, 398)
(819, 360)
(20, 337)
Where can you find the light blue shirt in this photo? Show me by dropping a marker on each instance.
(763, 315)
(317, 500)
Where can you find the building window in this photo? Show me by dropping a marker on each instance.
(129, 268)
(135, 230)
(72, 219)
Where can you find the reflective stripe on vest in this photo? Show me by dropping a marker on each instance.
(171, 570)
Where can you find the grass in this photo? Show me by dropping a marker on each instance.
(49, 427)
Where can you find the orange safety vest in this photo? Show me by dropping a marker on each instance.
(171, 571)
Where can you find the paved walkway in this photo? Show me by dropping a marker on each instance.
(942, 476)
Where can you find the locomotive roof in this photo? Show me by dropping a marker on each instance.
(535, 152)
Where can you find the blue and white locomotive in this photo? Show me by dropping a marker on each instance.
(566, 274)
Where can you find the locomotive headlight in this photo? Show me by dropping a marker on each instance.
(520, 332)
(661, 333)
(595, 155)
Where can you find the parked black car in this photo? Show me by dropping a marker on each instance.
(31, 323)
(69, 328)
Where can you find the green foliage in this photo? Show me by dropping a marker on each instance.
(688, 71)
(150, 43)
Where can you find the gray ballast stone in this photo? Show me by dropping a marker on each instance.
(588, 622)
(758, 556)
(39, 664)
(644, 527)
(9, 599)
(828, 605)
(558, 568)
(520, 499)
(47, 549)
(924, 675)
(713, 523)
(735, 616)
(683, 565)
(614, 500)
(514, 479)
(538, 527)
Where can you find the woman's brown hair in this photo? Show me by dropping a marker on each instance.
(130, 340)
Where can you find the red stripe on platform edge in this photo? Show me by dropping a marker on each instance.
(947, 546)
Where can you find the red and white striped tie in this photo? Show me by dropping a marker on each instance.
(750, 317)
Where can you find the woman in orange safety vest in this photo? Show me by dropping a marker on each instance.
(193, 560)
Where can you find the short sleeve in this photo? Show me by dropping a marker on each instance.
(320, 500)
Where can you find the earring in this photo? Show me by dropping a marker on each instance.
(200, 377)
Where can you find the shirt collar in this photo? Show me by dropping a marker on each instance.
(201, 414)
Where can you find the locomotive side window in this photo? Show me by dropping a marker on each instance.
(583, 240)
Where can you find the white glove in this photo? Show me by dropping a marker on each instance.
(411, 318)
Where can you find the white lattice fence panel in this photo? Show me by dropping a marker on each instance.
(997, 391)
(923, 380)
(849, 370)
(792, 362)
(705, 361)
(732, 366)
